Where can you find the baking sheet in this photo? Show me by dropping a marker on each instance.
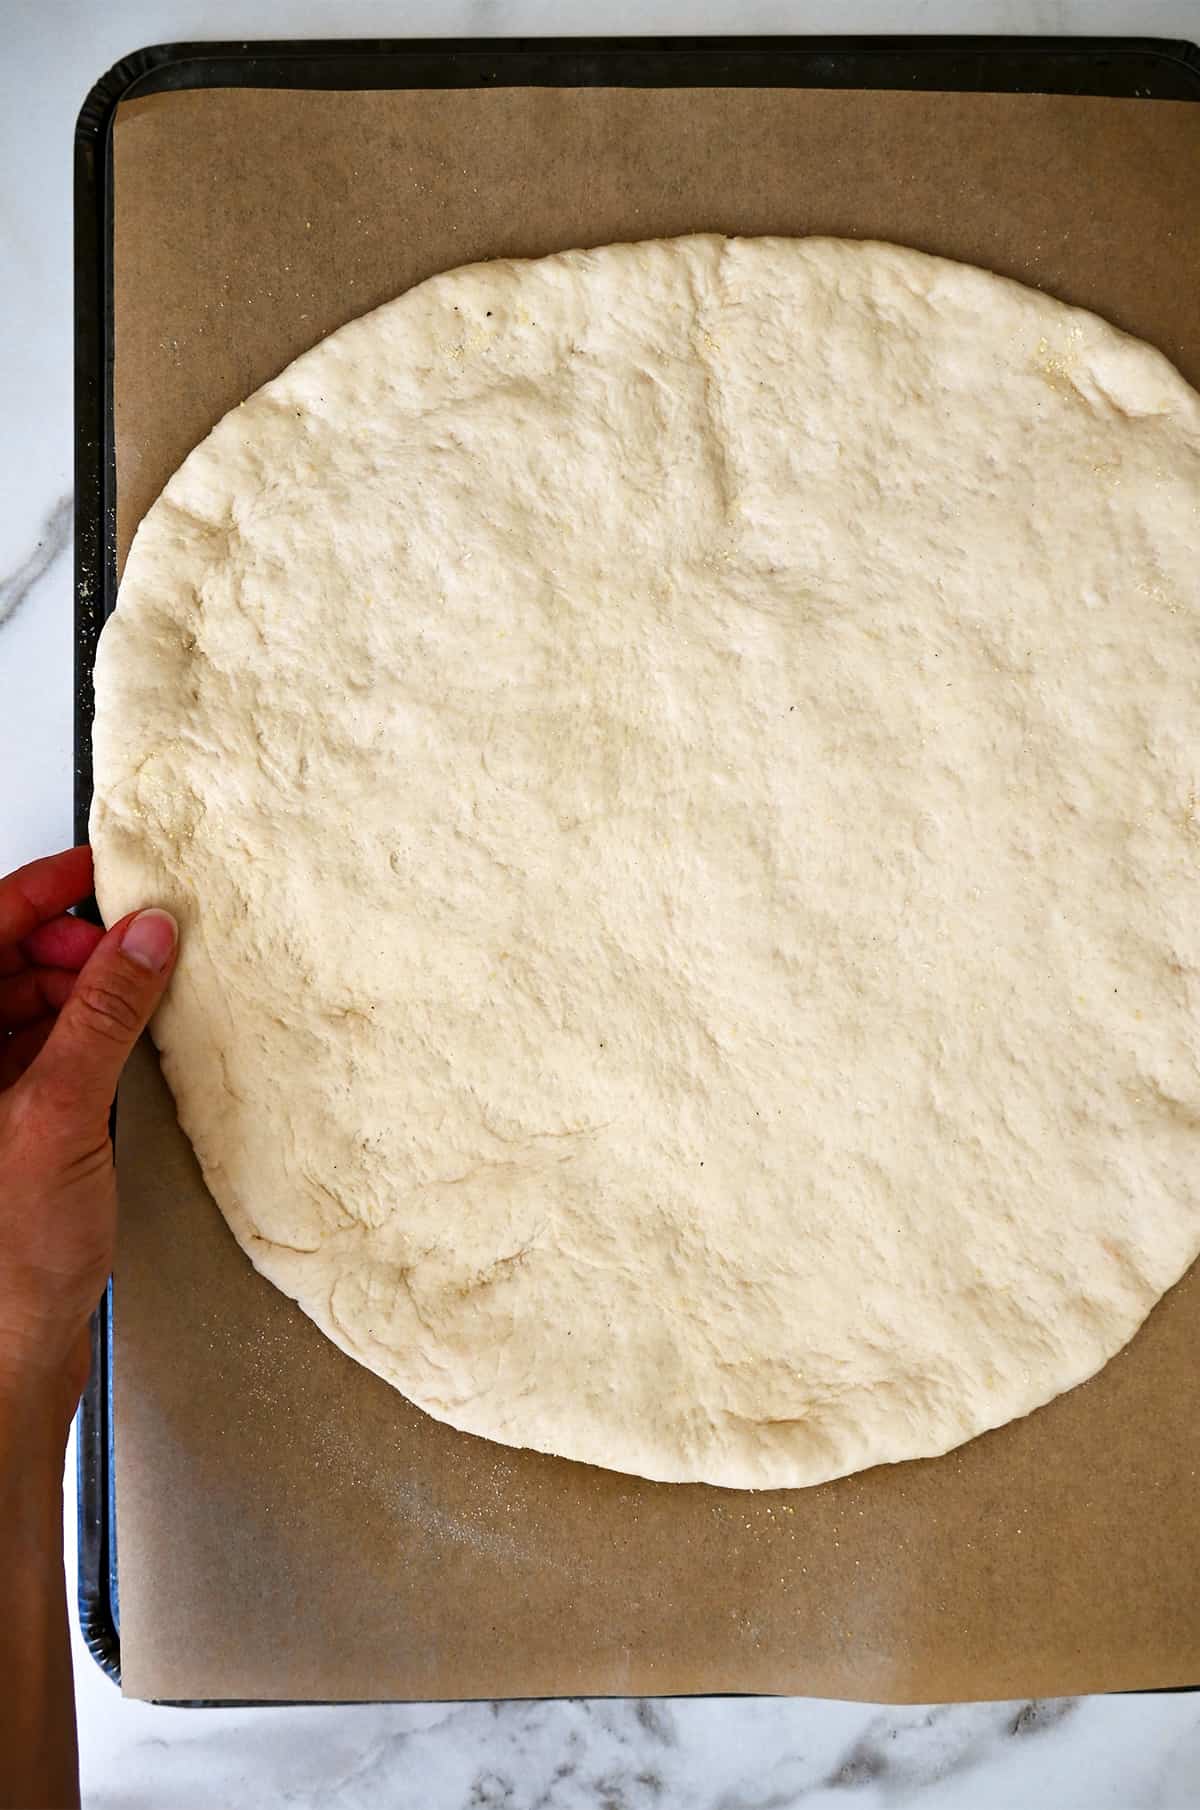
(289, 1526)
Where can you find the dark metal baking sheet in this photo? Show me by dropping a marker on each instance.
(1148, 69)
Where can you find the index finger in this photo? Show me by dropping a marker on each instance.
(42, 890)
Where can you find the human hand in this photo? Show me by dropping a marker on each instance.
(73, 1002)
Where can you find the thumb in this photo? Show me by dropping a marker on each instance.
(110, 1004)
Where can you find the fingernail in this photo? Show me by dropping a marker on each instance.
(150, 939)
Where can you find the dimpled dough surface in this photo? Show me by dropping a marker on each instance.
(677, 766)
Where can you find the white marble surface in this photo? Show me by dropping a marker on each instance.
(1131, 1753)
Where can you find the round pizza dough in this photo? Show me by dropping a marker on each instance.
(677, 766)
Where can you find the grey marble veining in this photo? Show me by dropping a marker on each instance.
(739, 1754)
(53, 536)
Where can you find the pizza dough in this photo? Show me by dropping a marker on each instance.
(677, 766)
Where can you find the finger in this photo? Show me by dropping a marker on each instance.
(43, 890)
(21, 1049)
(110, 1005)
(62, 943)
(24, 997)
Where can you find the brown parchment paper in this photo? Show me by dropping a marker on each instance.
(290, 1527)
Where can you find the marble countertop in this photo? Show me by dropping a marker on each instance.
(1124, 1753)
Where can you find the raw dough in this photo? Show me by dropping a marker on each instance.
(677, 765)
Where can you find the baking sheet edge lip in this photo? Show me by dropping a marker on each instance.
(167, 66)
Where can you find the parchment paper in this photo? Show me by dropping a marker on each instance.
(289, 1526)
